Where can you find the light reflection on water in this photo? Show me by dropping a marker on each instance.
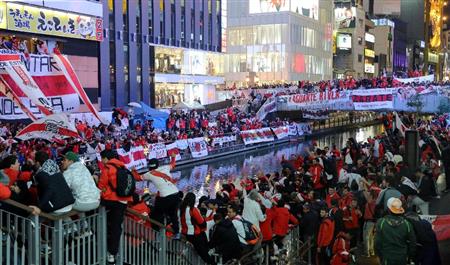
(206, 179)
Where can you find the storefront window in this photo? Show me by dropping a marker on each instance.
(168, 60)
(167, 95)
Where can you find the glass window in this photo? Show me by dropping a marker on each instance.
(150, 17)
(125, 17)
(138, 16)
(126, 79)
(139, 72)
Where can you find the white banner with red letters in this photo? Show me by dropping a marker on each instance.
(440, 224)
(172, 150)
(330, 99)
(373, 99)
(257, 136)
(420, 79)
(157, 151)
(135, 158)
(223, 140)
(55, 126)
(49, 79)
(281, 132)
(198, 147)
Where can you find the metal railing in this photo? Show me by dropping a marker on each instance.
(50, 239)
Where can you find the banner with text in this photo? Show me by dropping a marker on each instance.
(172, 150)
(292, 129)
(198, 147)
(330, 99)
(157, 151)
(223, 140)
(269, 106)
(257, 136)
(373, 99)
(303, 128)
(49, 79)
(420, 79)
(135, 158)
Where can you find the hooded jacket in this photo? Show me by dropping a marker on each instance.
(225, 240)
(53, 191)
(81, 183)
(394, 238)
(326, 233)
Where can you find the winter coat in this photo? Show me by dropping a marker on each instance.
(326, 233)
(309, 224)
(341, 246)
(252, 212)
(81, 183)
(53, 191)
(5, 192)
(191, 221)
(108, 182)
(266, 225)
(281, 220)
(225, 240)
(394, 239)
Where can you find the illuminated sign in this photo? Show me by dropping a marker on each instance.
(369, 38)
(344, 41)
(369, 53)
(345, 17)
(369, 68)
(435, 23)
(2, 15)
(51, 22)
(307, 8)
(433, 57)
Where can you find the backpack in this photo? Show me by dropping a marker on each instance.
(252, 234)
(126, 184)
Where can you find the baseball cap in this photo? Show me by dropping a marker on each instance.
(71, 156)
(395, 206)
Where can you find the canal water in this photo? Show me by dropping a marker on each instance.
(206, 178)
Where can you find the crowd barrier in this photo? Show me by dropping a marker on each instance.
(72, 239)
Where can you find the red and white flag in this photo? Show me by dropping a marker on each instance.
(399, 124)
(172, 150)
(440, 224)
(15, 74)
(56, 126)
(71, 76)
(6, 90)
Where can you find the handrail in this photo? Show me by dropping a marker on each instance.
(43, 214)
(146, 218)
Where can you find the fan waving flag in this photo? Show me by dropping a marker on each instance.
(71, 76)
(56, 126)
(6, 90)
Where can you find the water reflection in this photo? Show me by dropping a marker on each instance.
(207, 178)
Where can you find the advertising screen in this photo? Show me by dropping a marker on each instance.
(344, 41)
(307, 8)
(345, 17)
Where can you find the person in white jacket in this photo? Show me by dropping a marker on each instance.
(252, 209)
(81, 182)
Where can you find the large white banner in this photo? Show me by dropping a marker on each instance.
(257, 136)
(304, 128)
(55, 126)
(135, 158)
(330, 99)
(198, 147)
(373, 99)
(222, 140)
(157, 151)
(269, 106)
(420, 79)
(292, 129)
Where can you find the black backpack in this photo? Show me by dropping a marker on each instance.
(125, 185)
(252, 234)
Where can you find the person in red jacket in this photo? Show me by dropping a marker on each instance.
(281, 219)
(5, 192)
(341, 246)
(115, 206)
(192, 223)
(352, 215)
(324, 238)
(332, 195)
(316, 172)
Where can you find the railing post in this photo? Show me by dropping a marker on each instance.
(58, 242)
(101, 243)
(309, 251)
(163, 246)
(34, 242)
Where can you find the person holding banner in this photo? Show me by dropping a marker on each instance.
(168, 199)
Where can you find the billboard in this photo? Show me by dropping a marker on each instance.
(435, 23)
(345, 17)
(344, 41)
(307, 8)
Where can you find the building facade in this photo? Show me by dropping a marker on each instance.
(160, 52)
(349, 40)
(271, 42)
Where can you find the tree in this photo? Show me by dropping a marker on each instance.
(416, 103)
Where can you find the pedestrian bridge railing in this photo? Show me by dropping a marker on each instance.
(78, 239)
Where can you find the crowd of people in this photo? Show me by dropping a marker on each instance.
(364, 195)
